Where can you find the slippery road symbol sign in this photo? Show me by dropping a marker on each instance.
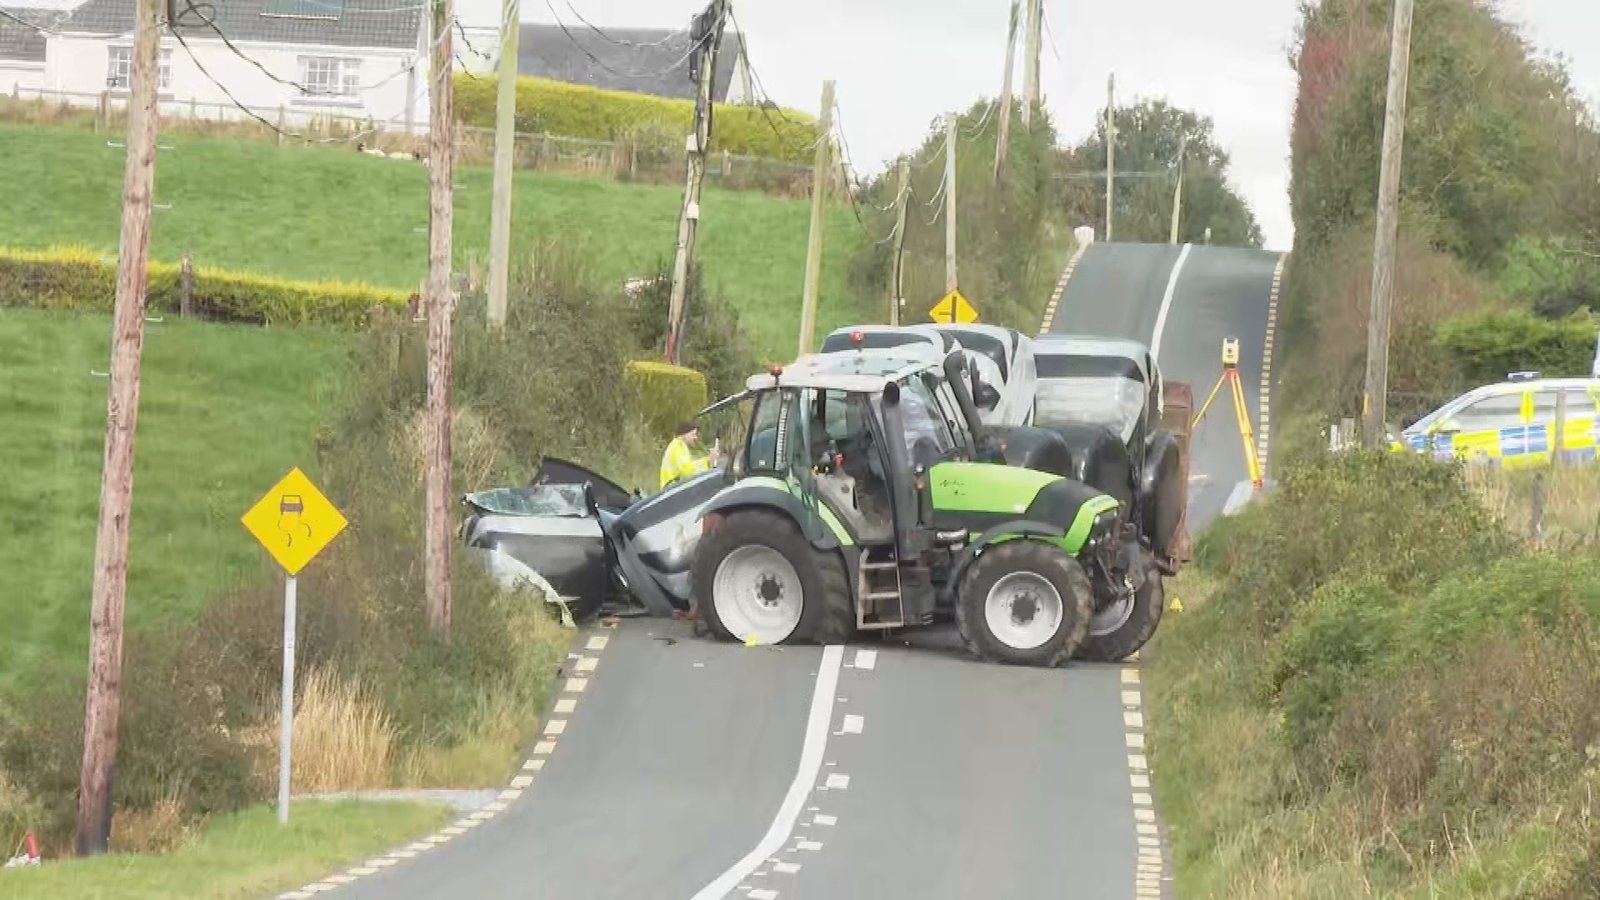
(294, 521)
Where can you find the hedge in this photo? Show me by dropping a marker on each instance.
(77, 278)
(666, 393)
(1487, 345)
(572, 110)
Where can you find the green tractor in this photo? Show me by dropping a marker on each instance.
(854, 502)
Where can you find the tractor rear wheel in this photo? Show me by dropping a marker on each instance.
(1024, 602)
(1118, 629)
(757, 579)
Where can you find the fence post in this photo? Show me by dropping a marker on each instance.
(283, 115)
(1560, 438)
(1536, 523)
(186, 285)
(102, 120)
(633, 159)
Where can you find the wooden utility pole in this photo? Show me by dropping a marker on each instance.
(819, 197)
(1030, 78)
(709, 32)
(950, 204)
(505, 138)
(103, 704)
(440, 304)
(1111, 149)
(1177, 193)
(1005, 96)
(1375, 407)
(897, 285)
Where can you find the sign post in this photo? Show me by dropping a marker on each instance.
(294, 522)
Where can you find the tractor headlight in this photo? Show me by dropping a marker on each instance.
(1100, 534)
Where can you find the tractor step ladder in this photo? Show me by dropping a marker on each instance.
(881, 604)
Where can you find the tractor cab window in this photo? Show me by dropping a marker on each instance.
(928, 437)
(950, 409)
(762, 452)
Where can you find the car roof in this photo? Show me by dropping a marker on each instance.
(1092, 345)
(1500, 388)
(852, 372)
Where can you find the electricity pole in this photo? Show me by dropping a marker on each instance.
(104, 700)
(1005, 96)
(819, 197)
(505, 137)
(440, 306)
(1111, 149)
(897, 285)
(950, 204)
(1374, 409)
(707, 32)
(1177, 194)
(1030, 78)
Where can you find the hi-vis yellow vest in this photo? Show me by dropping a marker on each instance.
(679, 462)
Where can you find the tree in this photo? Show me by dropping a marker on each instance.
(1150, 135)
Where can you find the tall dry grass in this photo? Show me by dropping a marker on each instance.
(343, 738)
(1553, 509)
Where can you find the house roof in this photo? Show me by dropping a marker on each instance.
(642, 60)
(18, 42)
(340, 23)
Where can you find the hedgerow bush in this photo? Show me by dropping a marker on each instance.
(76, 278)
(1487, 345)
(1373, 673)
(571, 110)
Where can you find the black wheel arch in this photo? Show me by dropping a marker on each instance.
(974, 548)
(764, 496)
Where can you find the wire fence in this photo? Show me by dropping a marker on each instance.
(632, 161)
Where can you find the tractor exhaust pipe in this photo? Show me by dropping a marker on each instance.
(956, 372)
(908, 511)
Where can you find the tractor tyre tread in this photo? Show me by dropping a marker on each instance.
(1063, 571)
(821, 575)
(1142, 622)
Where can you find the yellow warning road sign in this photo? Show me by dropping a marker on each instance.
(953, 308)
(294, 521)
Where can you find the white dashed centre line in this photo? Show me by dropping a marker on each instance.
(811, 753)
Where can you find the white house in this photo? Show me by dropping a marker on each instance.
(355, 59)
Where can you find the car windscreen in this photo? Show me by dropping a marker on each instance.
(533, 500)
(1066, 365)
(1116, 402)
(989, 346)
(871, 340)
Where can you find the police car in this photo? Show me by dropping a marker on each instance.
(1511, 423)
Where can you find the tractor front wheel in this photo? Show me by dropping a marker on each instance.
(756, 579)
(1024, 602)
(1123, 625)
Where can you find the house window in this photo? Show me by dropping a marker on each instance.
(329, 76)
(119, 68)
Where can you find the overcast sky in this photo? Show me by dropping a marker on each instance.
(899, 64)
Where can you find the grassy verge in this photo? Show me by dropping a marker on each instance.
(386, 700)
(332, 213)
(1376, 690)
(244, 854)
(225, 411)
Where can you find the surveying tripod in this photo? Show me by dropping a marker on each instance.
(1230, 374)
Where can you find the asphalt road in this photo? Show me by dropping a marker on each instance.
(1220, 292)
(693, 769)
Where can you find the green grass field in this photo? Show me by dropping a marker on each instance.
(246, 854)
(330, 212)
(224, 412)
